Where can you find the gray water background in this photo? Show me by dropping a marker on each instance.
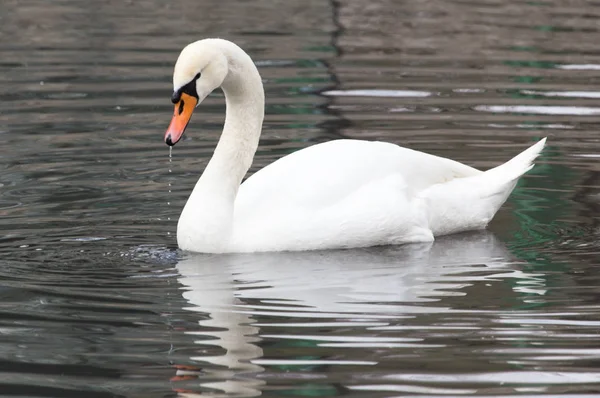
(95, 300)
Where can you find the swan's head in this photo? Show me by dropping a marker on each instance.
(200, 68)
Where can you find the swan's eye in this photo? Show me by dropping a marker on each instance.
(189, 89)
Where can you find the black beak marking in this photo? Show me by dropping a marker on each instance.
(189, 89)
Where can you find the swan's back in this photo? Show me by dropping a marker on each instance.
(326, 173)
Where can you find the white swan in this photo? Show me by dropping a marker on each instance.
(339, 194)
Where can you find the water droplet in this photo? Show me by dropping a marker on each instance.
(170, 171)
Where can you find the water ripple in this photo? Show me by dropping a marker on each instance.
(96, 300)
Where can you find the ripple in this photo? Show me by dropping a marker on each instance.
(539, 109)
(568, 94)
(353, 339)
(84, 239)
(310, 362)
(579, 67)
(515, 377)
(411, 389)
(376, 93)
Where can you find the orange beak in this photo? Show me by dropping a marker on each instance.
(181, 117)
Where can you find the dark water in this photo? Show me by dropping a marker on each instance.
(95, 300)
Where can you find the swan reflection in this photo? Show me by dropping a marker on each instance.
(361, 288)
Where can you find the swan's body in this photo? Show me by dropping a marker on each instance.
(339, 194)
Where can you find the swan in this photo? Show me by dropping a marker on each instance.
(339, 194)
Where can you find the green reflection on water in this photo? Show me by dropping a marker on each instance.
(524, 48)
(531, 64)
(540, 202)
(311, 390)
(527, 79)
(545, 28)
(323, 48)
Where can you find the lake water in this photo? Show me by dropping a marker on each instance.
(96, 301)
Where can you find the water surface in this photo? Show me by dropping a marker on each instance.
(96, 301)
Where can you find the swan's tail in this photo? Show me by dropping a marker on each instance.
(519, 165)
(470, 203)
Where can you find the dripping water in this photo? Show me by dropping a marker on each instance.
(170, 171)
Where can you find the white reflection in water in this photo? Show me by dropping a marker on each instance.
(376, 93)
(568, 94)
(468, 90)
(212, 291)
(557, 126)
(540, 109)
(365, 287)
(579, 67)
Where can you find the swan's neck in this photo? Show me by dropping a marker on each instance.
(207, 218)
(236, 148)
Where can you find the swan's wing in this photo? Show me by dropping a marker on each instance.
(324, 174)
